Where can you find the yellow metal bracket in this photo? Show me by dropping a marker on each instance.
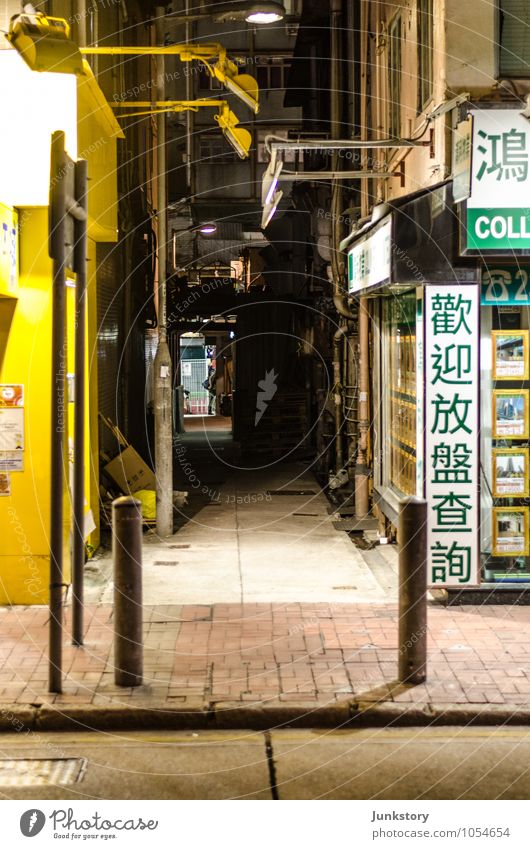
(185, 52)
(147, 107)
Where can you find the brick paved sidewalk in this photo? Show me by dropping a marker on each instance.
(262, 654)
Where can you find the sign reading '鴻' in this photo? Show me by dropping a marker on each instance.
(451, 422)
(498, 209)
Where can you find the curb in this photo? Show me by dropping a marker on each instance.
(231, 715)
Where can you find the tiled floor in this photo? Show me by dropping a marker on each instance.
(196, 655)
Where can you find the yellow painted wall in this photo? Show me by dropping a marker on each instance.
(97, 131)
(25, 357)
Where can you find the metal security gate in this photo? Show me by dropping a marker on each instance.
(194, 373)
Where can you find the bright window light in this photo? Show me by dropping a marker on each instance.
(34, 106)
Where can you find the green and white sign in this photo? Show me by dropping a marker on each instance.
(369, 260)
(462, 146)
(451, 367)
(498, 209)
(505, 286)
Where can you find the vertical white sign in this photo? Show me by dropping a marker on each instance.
(451, 365)
(420, 378)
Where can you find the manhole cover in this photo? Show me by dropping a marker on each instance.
(23, 772)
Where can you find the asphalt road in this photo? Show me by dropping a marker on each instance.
(406, 763)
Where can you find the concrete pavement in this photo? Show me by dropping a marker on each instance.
(263, 535)
(412, 763)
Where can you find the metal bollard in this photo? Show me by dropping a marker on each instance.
(412, 539)
(127, 557)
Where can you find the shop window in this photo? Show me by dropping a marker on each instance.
(425, 52)
(213, 149)
(514, 43)
(400, 342)
(289, 156)
(206, 81)
(271, 72)
(504, 436)
(394, 77)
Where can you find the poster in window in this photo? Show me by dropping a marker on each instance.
(510, 531)
(510, 472)
(510, 414)
(510, 354)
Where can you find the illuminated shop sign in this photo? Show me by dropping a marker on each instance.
(369, 260)
(505, 285)
(498, 213)
(451, 367)
(8, 250)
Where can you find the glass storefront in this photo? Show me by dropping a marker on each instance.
(504, 441)
(399, 353)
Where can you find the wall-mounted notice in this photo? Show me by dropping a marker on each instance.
(11, 461)
(11, 428)
(11, 395)
(5, 484)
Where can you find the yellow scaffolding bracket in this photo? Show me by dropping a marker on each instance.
(148, 107)
(44, 44)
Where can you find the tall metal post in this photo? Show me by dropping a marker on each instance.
(162, 365)
(127, 557)
(78, 547)
(412, 541)
(58, 406)
(362, 502)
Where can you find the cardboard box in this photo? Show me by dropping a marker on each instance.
(129, 472)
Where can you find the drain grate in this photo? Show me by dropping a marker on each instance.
(180, 546)
(166, 563)
(292, 492)
(26, 772)
(314, 515)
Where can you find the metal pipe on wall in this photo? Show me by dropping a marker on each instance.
(338, 345)
(78, 547)
(58, 397)
(339, 296)
(163, 406)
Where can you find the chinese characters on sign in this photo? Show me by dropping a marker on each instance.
(462, 146)
(369, 260)
(451, 421)
(498, 213)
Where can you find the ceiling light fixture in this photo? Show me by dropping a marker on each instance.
(208, 229)
(264, 12)
(238, 137)
(243, 86)
(44, 43)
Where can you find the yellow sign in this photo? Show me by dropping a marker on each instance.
(8, 251)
